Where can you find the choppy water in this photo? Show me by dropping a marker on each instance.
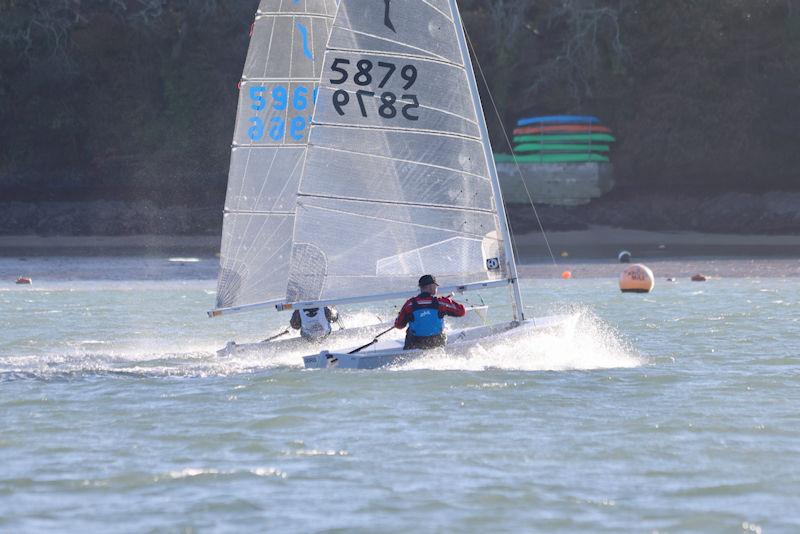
(674, 411)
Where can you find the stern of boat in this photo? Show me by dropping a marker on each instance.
(323, 360)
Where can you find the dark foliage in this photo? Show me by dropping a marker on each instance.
(135, 99)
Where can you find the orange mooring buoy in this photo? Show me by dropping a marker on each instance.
(636, 278)
(566, 275)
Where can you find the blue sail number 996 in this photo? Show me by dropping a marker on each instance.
(279, 99)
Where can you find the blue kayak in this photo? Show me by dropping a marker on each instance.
(562, 119)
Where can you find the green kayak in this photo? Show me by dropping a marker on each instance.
(551, 158)
(539, 147)
(560, 138)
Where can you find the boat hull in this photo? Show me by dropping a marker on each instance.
(340, 337)
(391, 353)
(294, 343)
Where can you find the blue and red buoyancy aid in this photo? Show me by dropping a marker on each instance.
(426, 319)
(424, 314)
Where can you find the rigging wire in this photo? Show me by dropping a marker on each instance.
(511, 149)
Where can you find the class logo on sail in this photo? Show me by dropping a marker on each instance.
(304, 37)
(387, 20)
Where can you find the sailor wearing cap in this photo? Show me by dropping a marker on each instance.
(424, 315)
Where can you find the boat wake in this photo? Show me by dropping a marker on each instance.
(585, 342)
(194, 362)
(160, 358)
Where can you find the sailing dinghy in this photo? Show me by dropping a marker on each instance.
(397, 180)
(276, 101)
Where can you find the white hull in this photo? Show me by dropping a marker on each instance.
(339, 338)
(391, 352)
(292, 342)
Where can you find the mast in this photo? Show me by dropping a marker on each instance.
(518, 308)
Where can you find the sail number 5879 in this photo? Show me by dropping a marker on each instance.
(388, 104)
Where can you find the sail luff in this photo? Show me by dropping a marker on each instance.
(519, 308)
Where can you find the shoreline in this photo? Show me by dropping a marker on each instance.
(129, 245)
(767, 213)
(602, 242)
(574, 246)
(590, 253)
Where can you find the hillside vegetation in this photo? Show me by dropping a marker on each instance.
(135, 99)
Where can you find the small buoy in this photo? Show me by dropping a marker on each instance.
(637, 278)
(624, 257)
(24, 280)
(566, 275)
(699, 278)
(564, 254)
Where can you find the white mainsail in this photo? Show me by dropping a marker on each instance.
(398, 179)
(276, 102)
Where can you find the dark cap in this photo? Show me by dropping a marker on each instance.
(427, 280)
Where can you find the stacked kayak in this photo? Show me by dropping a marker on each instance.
(560, 139)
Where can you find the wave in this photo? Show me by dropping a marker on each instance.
(586, 342)
(164, 357)
(198, 362)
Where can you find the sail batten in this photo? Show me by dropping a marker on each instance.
(421, 107)
(394, 203)
(399, 129)
(259, 212)
(425, 55)
(276, 79)
(400, 55)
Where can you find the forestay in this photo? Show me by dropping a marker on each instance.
(396, 181)
(276, 102)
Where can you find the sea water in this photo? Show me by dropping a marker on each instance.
(672, 411)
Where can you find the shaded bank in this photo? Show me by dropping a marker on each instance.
(735, 213)
(592, 253)
(136, 100)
